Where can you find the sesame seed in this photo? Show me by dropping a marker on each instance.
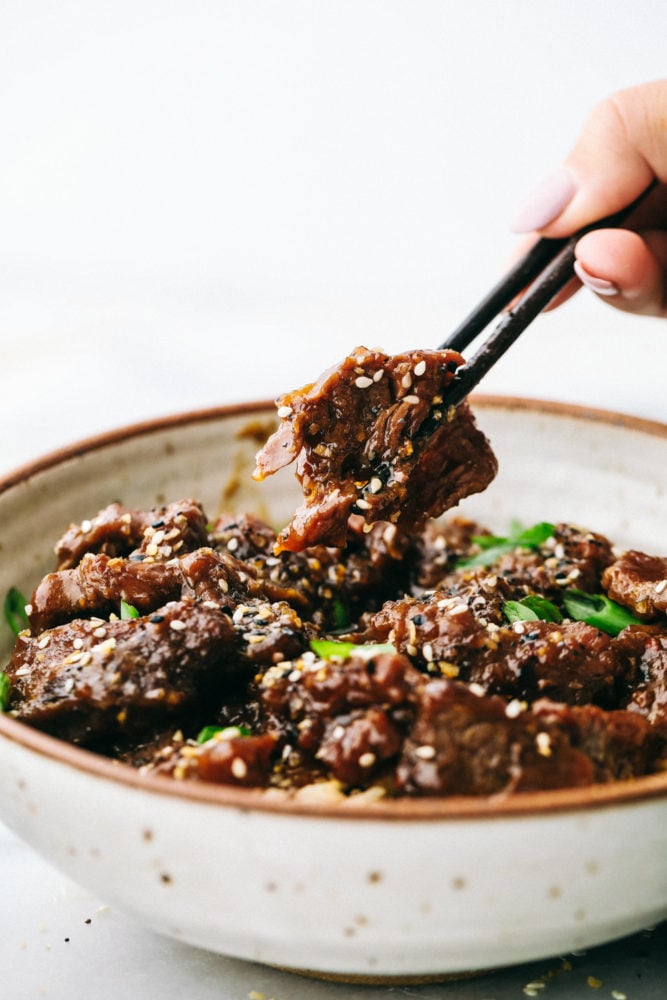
(427, 652)
(363, 504)
(28, 609)
(406, 381)
(367, 759)
(458, 609)
(233, 544)
(419, 368)
(69, 684)
(363, 382)
(78, 643)
(284, 412)
(86, 526)
(661, 586)
(477, 690)
(239, 768)
(338, 732)
(375, 485)
(151, 550)
(378, 375)
(425, 752)
(44, 641)
(177, 625)
(543, 744)
(514, 708)
(411, 399)
(100, 632)
(22, 672)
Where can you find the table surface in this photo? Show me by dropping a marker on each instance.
(203, 203)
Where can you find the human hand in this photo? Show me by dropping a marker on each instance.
(620, 151)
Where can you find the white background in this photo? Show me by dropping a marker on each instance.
(203, 202)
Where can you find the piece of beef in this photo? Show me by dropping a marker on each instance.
(639, 582)
(91, 679)
(646, 647)
(374, 436)
(464, 744)
(117, 530)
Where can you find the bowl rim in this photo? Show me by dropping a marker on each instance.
(449, 808)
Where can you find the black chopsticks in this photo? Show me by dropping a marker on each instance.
(543, 272)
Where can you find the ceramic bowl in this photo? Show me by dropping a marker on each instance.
(397, 890)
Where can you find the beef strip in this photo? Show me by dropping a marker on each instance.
(638, 581)
(90, 679)
(464, 744)
(118, 530)
(374, 436)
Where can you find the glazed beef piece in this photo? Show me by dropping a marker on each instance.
(639, 582)
(330, 585)
(118, 530)
(228, 757)
(98, 584)
(646, 647)
(91, 679)
(350, 715)
(374, 436)
(464, 744)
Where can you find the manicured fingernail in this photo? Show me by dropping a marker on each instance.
(546, 202)
(599, 285)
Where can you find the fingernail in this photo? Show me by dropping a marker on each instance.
(599, 285)
(546, 202)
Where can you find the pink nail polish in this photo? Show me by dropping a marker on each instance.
(546, 202)
(598, 285)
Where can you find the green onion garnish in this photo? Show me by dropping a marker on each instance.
(5, 691)
(598, 610)
(494, 546)
(531, 609)
(225, 732)
(127, 611)
(328, 649)
(15, 613)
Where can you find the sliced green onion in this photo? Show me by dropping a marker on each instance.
(5, 691)
(127, 611)
(339, 614)
(532, 608)
(15, 613)
(494, 546)
(328, 649)
(598, 610)
(224, 732)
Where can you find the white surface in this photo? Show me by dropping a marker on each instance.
(211, 201)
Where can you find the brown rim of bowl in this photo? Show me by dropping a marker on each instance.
(620, 793)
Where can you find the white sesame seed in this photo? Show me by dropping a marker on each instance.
(411, 399)
(69, 684)
(338, 732)
(661, 586)
(151, 550)
(100, 632)
(233, 544)
(458, 609)
(28, 609)
(419, 368)
(543, 744)
(406, 381)
(78, 643)
(378, 375)
(514, 708)
(427, 652)
(22, 672)
(519, 628)
(284, 412)
(367, 759)
(239, 768)
(177, 625)
(363, 504)
(477, 690)
(375, 485)
(86, 526)
(363, 382)
(425, 752)
(44, 641)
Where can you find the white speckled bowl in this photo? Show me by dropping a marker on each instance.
(403, 890)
